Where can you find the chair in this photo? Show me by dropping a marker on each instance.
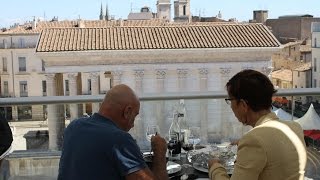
(5, 153)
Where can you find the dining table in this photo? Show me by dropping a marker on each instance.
(184, 168)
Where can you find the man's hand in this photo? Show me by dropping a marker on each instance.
(159, 145)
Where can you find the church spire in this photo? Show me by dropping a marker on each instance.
(107, 13)
(101, 13)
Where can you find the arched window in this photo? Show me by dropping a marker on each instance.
(184, 10)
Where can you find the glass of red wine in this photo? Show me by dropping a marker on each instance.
(174, 146)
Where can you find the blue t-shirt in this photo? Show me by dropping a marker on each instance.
(95, 148)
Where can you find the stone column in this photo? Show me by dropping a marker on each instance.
(182, 79)
(159, 105)
(95, 89)
(116, 77)
(14, 113)
(138, 128)
(246, 66)
(226, 126)
(56, 119)
(74, 112)
(203, 73)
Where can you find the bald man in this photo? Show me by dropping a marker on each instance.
(100, 147)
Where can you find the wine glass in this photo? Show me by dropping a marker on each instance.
(173, 145)
(187, 145)
(194, 137)
(152, 130)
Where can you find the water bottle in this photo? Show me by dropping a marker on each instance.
(182, 120)
(174, 144)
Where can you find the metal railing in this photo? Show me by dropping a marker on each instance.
(37, 100)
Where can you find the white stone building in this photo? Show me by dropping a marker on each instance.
(302, 78)
(153, 59)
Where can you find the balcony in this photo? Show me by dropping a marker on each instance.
(205, 109)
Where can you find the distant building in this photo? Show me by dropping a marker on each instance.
(302, 78)
(182, 11)
(292, 55)
(207, 19)
(164, 9)
(104, 16)
(292, 28)
(259, 16)
(315, 44)
(144, 14)
(282, 78)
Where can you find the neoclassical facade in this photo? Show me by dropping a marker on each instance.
(158, 60)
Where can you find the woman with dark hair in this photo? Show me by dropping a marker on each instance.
(273, 149)
(5, 138)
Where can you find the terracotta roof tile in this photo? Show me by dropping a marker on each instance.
(303, 67)
(282, 74)
(156, 37)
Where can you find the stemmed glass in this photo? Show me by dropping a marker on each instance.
(194, 137)
(173, 144)
(152, 130)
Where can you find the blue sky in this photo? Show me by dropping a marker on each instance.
(23, 10)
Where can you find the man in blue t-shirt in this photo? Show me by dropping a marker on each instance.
(100, 147)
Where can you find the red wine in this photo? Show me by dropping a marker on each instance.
(187, 147)
(175, 146)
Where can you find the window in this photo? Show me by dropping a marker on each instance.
(298, 73)
(89, 86)
(22, 64)
(44, 88)
(314, 83)
(184, 10)
(315, 64)
(66, 82)
(5, 88)
(22, 43)
(42, 64)
(23, 89)
(295, 86)
(315, 42)
(4, 64)
(5, 44)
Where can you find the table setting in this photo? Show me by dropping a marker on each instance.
(187, 159)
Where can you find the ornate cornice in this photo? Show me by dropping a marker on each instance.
(117, 74)
(203, 72)
(182, 73)
(94, 76)
(72, 76)
(225, 71)
(161, 73)
(50, 77)
(138, 74)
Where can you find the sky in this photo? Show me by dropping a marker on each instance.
(20, 11)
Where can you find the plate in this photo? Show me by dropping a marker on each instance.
(173, 167)
(202, 169)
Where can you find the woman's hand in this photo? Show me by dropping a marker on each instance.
(211, 162)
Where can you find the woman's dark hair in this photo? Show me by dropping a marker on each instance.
(253, 87)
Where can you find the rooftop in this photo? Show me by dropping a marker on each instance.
(206, 35)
